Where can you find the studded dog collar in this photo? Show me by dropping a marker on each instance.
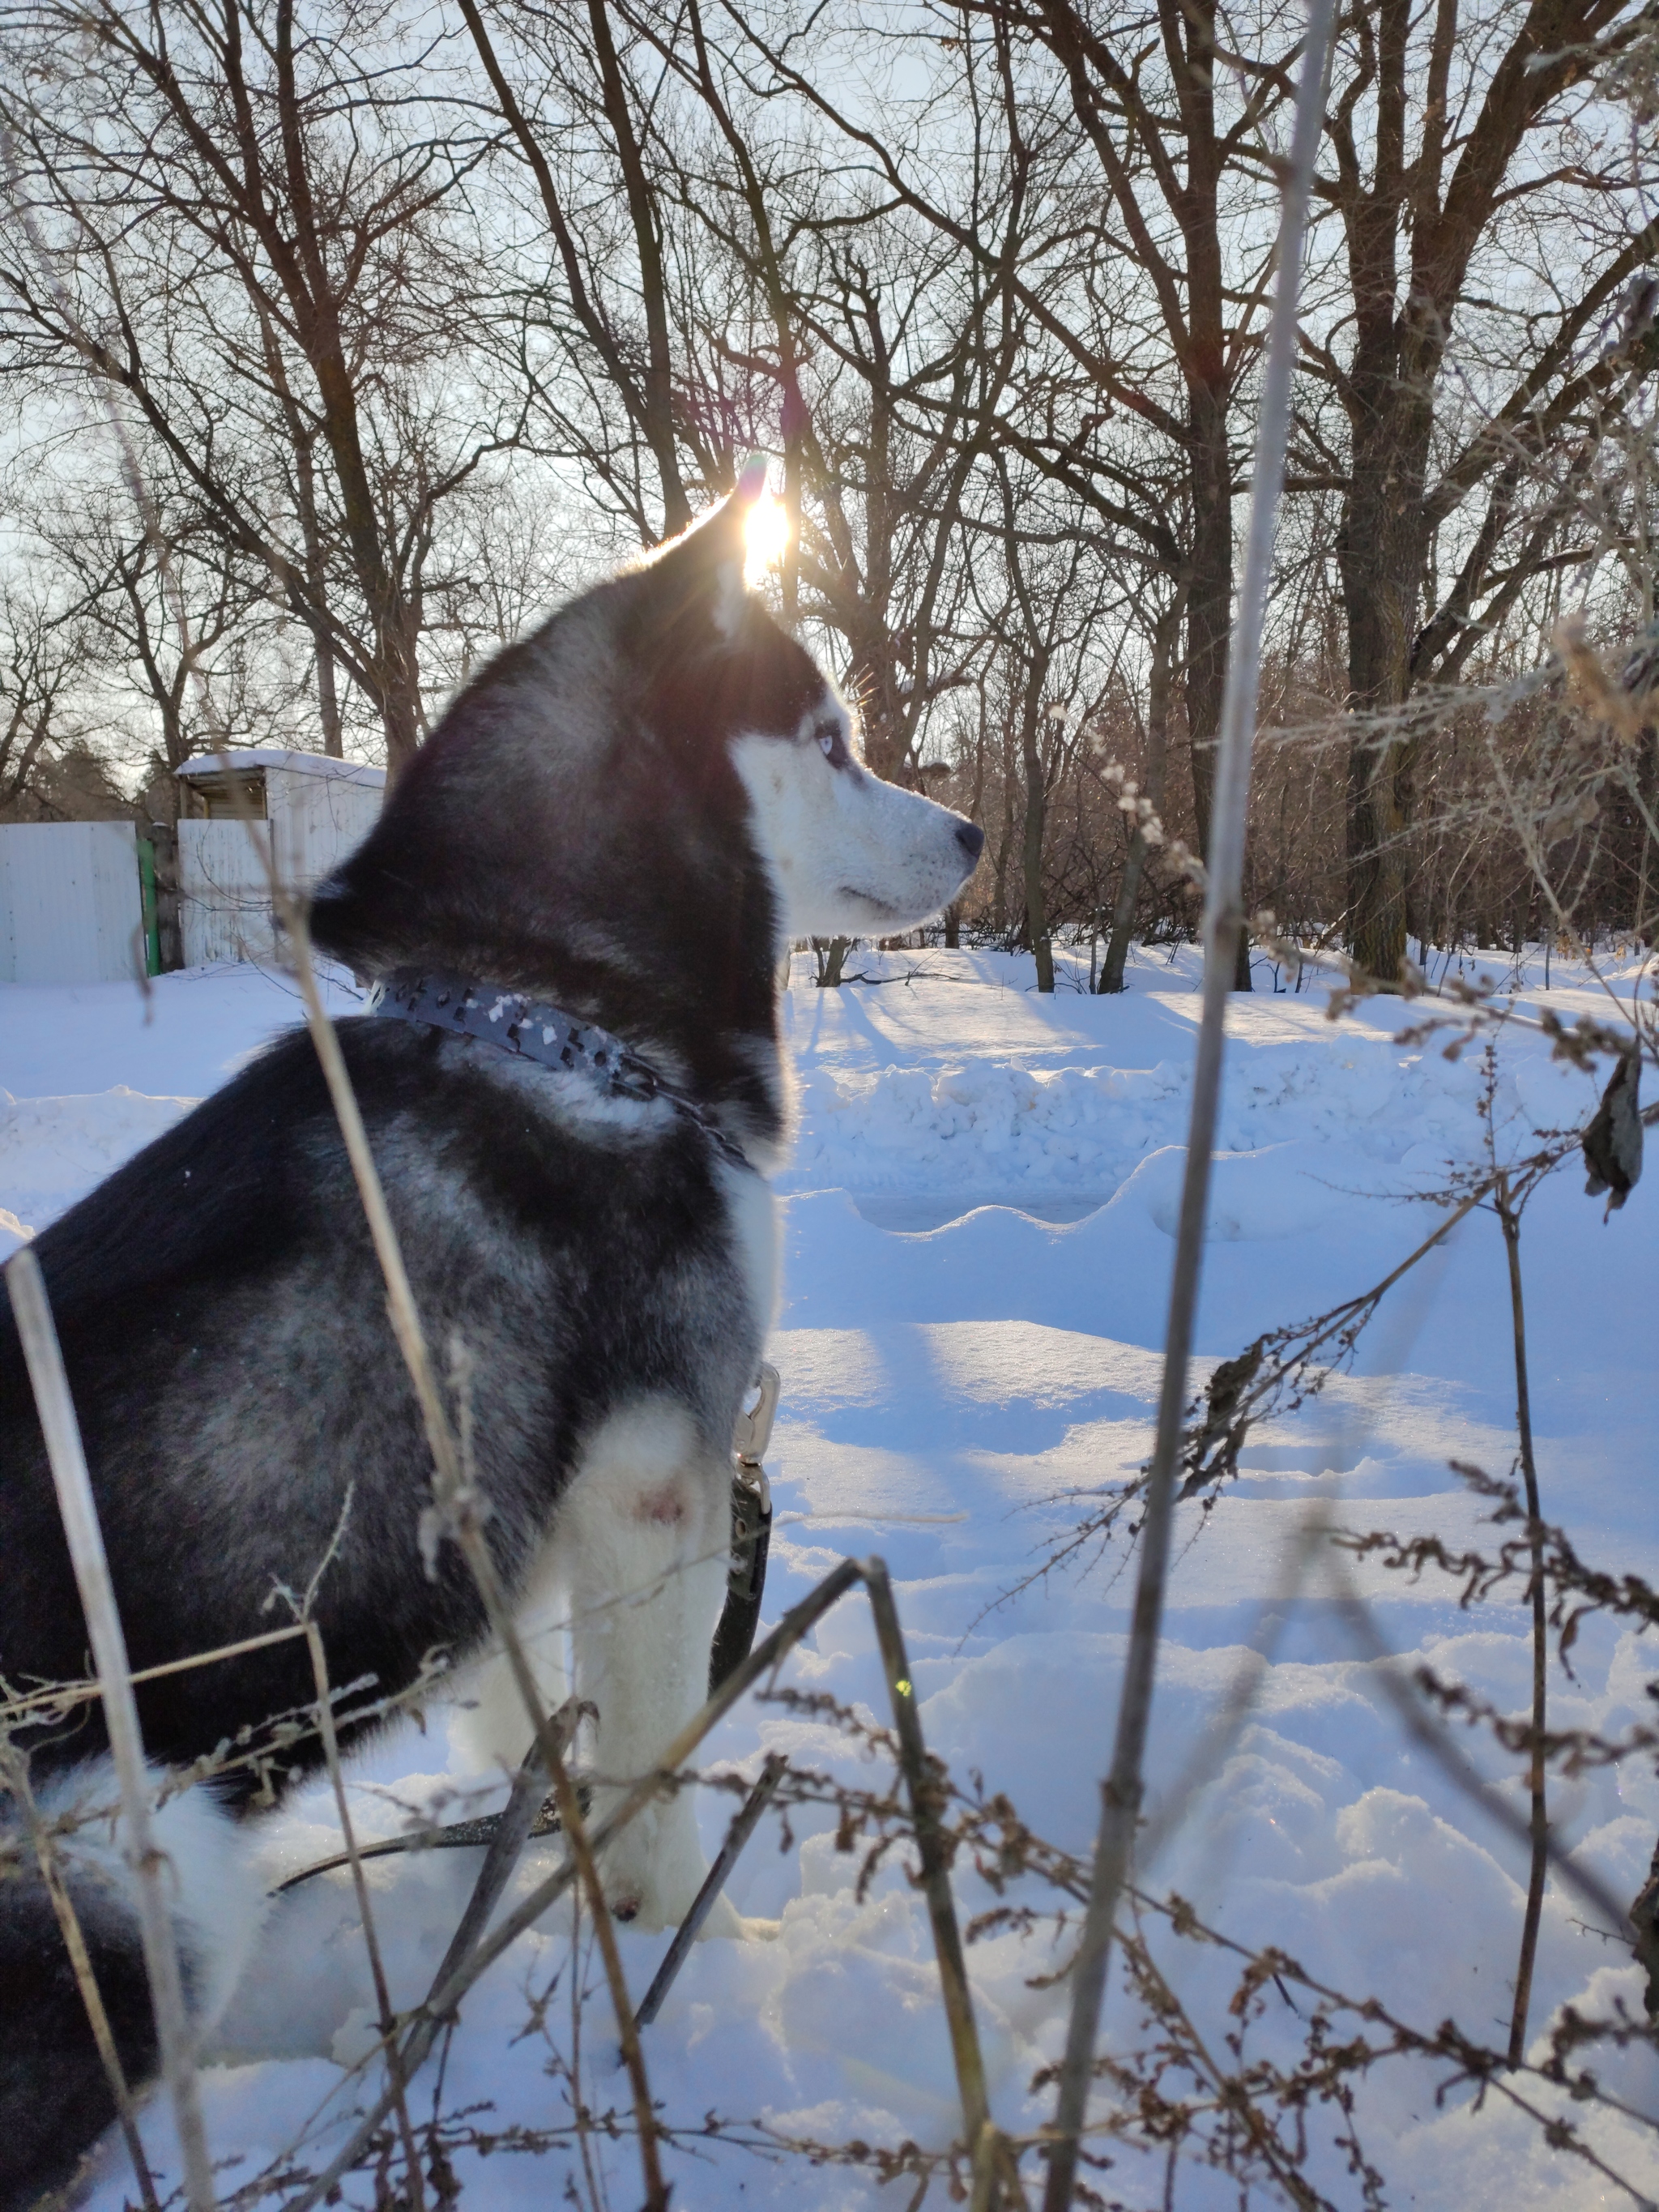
(533, 1028)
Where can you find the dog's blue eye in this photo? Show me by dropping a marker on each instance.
(827, 743)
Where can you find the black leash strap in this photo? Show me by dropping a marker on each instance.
(751, 1535)
(458, 1836)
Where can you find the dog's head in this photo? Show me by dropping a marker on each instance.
(847, 853)
(659, 784)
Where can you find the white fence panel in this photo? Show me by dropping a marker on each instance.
(71, 910)
(320, 819)
(224, 896)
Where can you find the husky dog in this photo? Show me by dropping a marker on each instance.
(624, 818)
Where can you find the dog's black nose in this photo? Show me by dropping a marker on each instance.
(971, 838)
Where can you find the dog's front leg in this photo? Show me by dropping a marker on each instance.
(643, 1534)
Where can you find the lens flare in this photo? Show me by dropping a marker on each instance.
(765, 534)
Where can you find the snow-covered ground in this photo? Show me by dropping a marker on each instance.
(978, 1231)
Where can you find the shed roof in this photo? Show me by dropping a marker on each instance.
(247, 756)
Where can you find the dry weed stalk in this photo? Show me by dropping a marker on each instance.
(1508, 1215)
(79, 1512)
(1224, 920)
(458, 1505)
(512, 1832)
(365, 1910)
(14, 1769)
(744, 1824)
(61, 1698)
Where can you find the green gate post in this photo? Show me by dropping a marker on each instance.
(147, 905)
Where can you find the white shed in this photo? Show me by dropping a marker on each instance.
(315, 809)
(70, 906)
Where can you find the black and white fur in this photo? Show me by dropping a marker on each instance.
(626, 814)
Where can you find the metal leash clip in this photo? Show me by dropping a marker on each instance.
(754, 1430)
(752, 1533)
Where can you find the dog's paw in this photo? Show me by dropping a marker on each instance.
(650, 1903)
(654, 1869)
(724, 1919)
(734, 1924)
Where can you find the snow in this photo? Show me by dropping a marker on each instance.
(978, 1231)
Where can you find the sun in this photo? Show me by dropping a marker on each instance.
(765, 534)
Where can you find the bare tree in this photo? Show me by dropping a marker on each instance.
(1462, 137)
(108, 558)
(42, 659)
(1150, 310)
(263, 244)
(609, 316)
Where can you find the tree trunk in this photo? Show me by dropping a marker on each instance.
(1209, 395)
(303, 442)
(1209, 605)
(328, 699)
(1210, 611)
(999, 913)
(656, 381)
(830, 953)
(1036, 913)
(1379, 552)
(314, 306)
(1402, 323)
(399, 702)
(1036, 819)
(1158, 759)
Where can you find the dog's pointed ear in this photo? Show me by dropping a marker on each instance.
(703, 569)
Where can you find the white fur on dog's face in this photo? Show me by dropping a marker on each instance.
(848, 855)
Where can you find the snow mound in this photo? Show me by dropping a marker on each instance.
(982, 1127)
(1275, 1192)
(982, 1121)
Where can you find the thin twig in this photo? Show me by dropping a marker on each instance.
(987, 2169)
(1250, 1406)
(1509, 1218)
(513, 1827)
(1223, 920)
(926, 1802)
(74, 1693)
(85, 1539)
(744, 1824)
(360, 1883)
(584, 1856)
